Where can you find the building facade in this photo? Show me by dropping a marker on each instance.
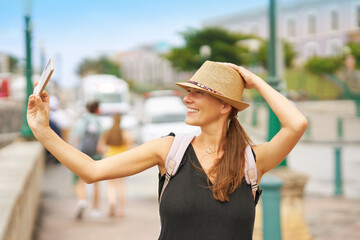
(146, 65)
(4, 63)
(314, 27)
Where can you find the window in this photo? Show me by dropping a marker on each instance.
(334, 47)
(290, 28)
(334, 19)
(311, 24)
(311, 49)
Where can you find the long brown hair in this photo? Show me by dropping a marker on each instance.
(115, 135)
(229, 169)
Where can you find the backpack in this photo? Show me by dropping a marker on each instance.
(176, 153)
(90, 138)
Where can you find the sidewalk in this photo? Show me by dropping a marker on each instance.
(328, 218)
(58, 222)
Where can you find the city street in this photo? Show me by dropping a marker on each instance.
(115, 81)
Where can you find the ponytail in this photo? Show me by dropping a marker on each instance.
(229, 169)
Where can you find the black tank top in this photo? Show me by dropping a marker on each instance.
(189, 211)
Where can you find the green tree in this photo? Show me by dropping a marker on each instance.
(225, 47)
(355, 50)
(324, 65)
(288, 51)
(102, 65)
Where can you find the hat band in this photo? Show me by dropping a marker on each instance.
(204, 87)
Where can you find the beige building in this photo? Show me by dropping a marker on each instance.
(4, 63)
(320, 27)
(146, 65)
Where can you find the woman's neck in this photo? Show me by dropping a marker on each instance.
(212, 137)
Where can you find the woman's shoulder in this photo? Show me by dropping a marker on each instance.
(161, 147)
(165, 143)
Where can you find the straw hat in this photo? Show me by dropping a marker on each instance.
(220, 81)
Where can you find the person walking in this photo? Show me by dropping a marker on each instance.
(114, 141)
(87, 132)
(208, 197)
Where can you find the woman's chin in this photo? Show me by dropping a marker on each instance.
(189, 122)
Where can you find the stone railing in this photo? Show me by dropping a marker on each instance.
(10, 120)
(21, 172)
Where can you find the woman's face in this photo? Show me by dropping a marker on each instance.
(202, 108)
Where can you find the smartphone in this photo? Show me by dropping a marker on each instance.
(44, 78)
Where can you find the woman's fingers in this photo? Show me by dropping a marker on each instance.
(244, 73)
(31, 102)
(45, 98)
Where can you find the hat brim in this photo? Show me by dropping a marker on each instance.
(239, 105)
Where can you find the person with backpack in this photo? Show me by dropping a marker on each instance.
(87, 132)
(209, 196)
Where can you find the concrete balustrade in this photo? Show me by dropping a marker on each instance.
(21, 172)
(10, 120)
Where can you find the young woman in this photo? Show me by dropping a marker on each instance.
(207, 198)
(114, 141)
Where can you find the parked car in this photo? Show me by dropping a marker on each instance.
(162, 115)
(163, 93)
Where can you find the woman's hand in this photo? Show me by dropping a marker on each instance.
(38, 112)
(250, 78)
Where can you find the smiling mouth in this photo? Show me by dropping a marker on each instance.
(192, 110)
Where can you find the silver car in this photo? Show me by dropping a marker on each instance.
(162, 115)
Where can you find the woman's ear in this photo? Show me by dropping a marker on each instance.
(226, 108)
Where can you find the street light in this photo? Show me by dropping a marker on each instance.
(25, 130)
(273, 78)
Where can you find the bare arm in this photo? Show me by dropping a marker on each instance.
(128, 139)
(124, 164)
(101, 146)
(293, 122)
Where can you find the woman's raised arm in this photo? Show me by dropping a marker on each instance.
(293, 122)
(121, 165)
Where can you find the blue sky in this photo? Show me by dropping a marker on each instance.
(71, 30)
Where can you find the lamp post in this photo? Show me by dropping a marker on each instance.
(25, 130)
(273, 78)
(293, 224)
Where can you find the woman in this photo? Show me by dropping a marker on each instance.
(114, 141)
(208, 198)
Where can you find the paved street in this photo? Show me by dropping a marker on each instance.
(58, 210)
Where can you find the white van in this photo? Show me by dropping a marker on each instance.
(112, 93)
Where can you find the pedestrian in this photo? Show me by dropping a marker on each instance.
(208, 197)
(86, 133)
(114, 141)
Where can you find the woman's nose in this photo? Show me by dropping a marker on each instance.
(187, 98)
